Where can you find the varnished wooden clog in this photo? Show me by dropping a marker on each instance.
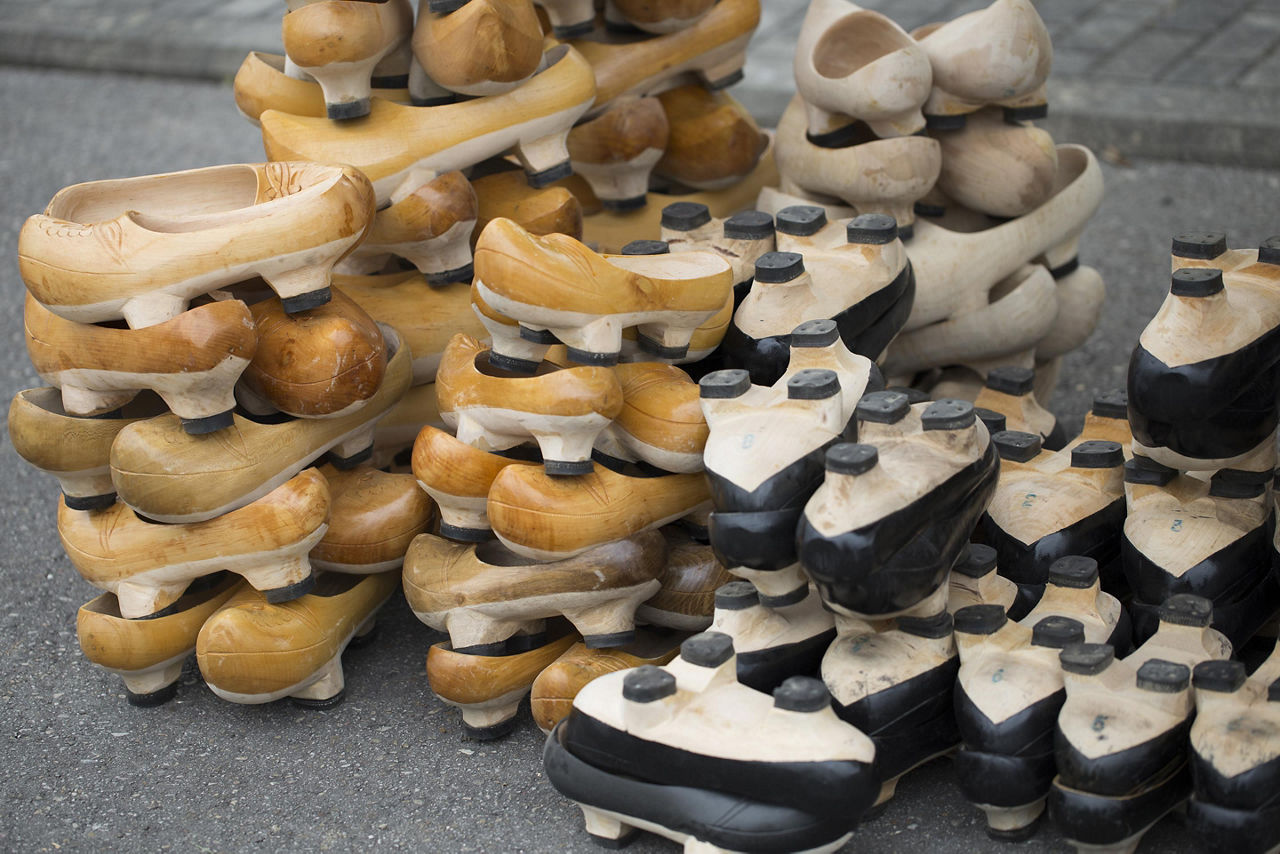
(148, 566)
(533, 120)
(254, 651)
(615, 151)
(538, 281)
(76, 451)
(429, 225)
(321, 363)
(166, 475)
(191, 361)
(394, 435)
(141, 248)
(690, 579)
(545, 517)
(663, 16)
(485, 47)
(660, 421)
(714, 142)
(458, 477)
(484, 594)
(538, 211)
(149, 654)
(373, 516)
(425, 317)
(339, 43)
(854, 63)
(261, 84)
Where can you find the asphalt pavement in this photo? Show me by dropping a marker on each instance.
(390, 767)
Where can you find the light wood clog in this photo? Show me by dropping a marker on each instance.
(996, 167)
(141, 248)
(148, 654)
(692, 575)
(166, 475)
(538, 211)
(533, 120)
(660, 421)
(148, 566)
(191, 361)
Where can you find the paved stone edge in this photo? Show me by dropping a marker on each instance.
(1216, 126)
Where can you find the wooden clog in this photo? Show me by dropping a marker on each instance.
(1050, 505)
(485, 47)
(533, 120)
(975, 581)
(168, 476)
(1074, 591)
(853, 63)
(772, 644)
(545, 517)
(539, 281)
(1008, 695)
(885, 176)
(686, 600)
(457, 476)
(321, 363)
(487, 689)
(1010, 390)
(998, 55)
(484, 594)
(148, 654)
(1108, 421)
(148, 566)
(763, 461)
(1211, 538)
(866, 287)
(253, 651)
(493, 410)
(1201, 379)
(615, 151)
(373, 516)
(895, 682)
(1111, 788)
(429, 225)
(140, 248)
(804, 774)
(74, 450)
(191, 361)
(339, 43)
(538, 211)
(261, 84)
(1233, 755)
(713, 48)
(996, 167)
(551, 697)
(660, 421)
(424, 317)
(662, 16)
(714, 142)
(894, 514)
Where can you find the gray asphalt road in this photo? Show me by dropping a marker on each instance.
(85, 771)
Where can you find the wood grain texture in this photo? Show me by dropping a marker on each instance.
(995, 167)
(373, 516)
(261, 84)
(443, 464)
(170, 476)
(662, 16)
(330, 32)
(508, 194)
(251, 647)
(484, 48)
(714, 142)
(689, 583)
(616, 150)
(545, 517)
(472, 679)
(316, 363)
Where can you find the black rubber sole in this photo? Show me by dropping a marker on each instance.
(89, 502)
(208, 424)
(490, 733)
(444, 7)
(538, 180)
(634, 203)
(726, 81)
(448, 277)
(350, 110)
(512, 364)
(155, 698)
(538, 336)
(466, 535)
(293, 591)
(346, 463)
(1026, 114)
(391, 81)
(567, 468)
(585, 357)
(304, 703)
(573, 31)
(662, 352)
(785, 599)
(307, 301)
(613, 639)
(945, 122)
